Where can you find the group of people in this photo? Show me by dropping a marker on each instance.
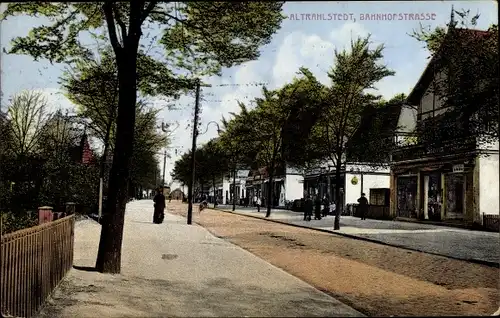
(320, 207)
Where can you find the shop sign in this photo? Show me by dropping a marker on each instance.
(458, 168)
(354, 180)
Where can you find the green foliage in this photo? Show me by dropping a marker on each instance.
(468, 89)
(9, 222)
(354, 72)
(182, 169)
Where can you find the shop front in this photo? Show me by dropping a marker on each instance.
(436, 192)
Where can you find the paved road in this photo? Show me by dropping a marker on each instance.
(173, 269)
(447, 241)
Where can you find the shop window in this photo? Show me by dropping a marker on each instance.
(455, 193)
(379, 196)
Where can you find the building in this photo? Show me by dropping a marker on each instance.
(447, 178)
(366, 166)
(287, 184)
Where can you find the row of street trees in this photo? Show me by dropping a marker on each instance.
(305, 122)
(299, 124)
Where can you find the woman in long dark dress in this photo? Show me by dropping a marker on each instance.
(317, 208)
(159, 212)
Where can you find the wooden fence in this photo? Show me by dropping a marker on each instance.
(491, 222)
(33, 262)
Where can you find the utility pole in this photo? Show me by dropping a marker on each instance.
(234, 189)
(193, 150)
(164, 166)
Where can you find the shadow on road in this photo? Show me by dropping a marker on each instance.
(85, 268)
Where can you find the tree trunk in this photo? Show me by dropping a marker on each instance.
(110, 244)
(234, 189)
(270, 191)
(338, 210)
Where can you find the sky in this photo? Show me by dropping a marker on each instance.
(308, 37)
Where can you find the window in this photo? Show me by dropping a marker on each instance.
(379, 196)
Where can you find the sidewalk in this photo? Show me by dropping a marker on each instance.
(174, 269)
(476, 246)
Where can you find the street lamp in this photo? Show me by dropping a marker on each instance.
(193, 162)
(219, 131)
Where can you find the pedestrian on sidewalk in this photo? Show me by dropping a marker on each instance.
(332, 208)
(159, 207)
(363, 206)
(326, 207)
(308, 208)
(317, 208)
(258, 203)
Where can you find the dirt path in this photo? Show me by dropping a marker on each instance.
(374, 279)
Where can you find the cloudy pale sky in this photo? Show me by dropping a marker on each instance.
(303, 40)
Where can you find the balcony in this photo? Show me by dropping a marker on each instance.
(434, 150)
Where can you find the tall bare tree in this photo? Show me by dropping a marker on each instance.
(28, 114)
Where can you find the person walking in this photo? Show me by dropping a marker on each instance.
(258, 203)
(308, 208)
(159, 207)
(317, 208)
(326, 207)
(363, 206)
(332, 208)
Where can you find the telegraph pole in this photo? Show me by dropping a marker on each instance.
(193, 150)
(164, 166)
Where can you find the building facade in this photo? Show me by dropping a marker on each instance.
(355, 179)
(442, 179)
(287, 185)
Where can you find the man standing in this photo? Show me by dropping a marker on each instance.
(258, 203)
(363, 206)
(308, 208)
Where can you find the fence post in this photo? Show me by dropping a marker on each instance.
(70, 208)
(45, 214)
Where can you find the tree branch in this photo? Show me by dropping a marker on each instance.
(108, 13)
(120, 22)
(149, 9)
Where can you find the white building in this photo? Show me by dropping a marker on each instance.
(287, 183)
(355, 179)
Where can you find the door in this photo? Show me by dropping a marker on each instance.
(407, 196)
(434, 197)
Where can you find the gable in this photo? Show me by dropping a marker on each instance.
(422, 85)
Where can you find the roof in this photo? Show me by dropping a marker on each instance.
(427, 76)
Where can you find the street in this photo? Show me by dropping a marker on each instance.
(447, 241)
(173, 269)
(375, 279)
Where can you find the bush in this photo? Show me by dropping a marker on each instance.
(10, 222)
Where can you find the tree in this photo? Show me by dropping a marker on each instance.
(147, 143)
(468, 91)
(92, 85)
(354, 72)
(199, 37)
(182, 169)
(28, 116)
(275, 131)
(212, 162)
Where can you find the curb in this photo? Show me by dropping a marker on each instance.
(475, 261)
